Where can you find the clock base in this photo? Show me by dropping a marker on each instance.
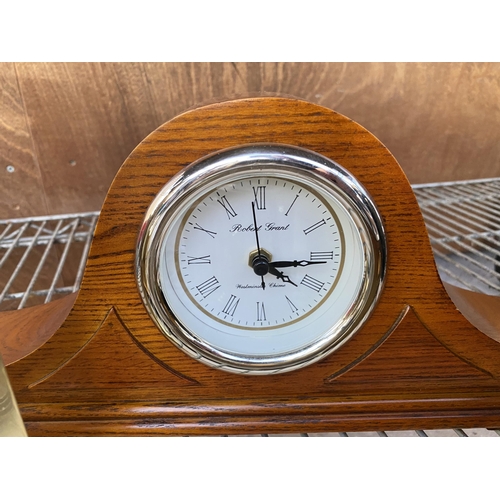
(385, 390)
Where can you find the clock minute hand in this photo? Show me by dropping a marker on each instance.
(259, 270)
(295, 263)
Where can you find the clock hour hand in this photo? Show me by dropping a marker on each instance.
(295, 263)
(280, 275)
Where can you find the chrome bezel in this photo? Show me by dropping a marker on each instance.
(202, 176)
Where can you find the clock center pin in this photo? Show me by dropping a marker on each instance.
(259, 262)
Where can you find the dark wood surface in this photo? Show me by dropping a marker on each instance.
(417, 362)
(67, 127)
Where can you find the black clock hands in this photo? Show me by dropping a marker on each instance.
(295, 263)
(290, 263)
(260, 264)
(280, 275)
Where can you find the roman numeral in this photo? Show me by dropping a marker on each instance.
(312, 283)
(259, 194)
(293, 307)
(231, 305)
(199, 260)
(261, 312)
(321, 256)
(210, 233)
(227, 207)
(209, 286)
(310, 229)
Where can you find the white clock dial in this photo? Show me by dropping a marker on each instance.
(260, 265)
(301, 241)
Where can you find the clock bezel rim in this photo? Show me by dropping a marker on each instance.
(207, 172)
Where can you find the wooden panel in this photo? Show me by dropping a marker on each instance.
(86, 368)
(74, 109)
(21, 187)
(87, 118)
(441, 121)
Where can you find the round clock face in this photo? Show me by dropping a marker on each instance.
(261, 259)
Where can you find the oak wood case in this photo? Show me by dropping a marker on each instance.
(416, 363)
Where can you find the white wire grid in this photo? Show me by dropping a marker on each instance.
(43, 258)
(463, 222)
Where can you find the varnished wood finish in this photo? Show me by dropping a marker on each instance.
(67, 128)
(416, 363)
(483, 311)
(24, 331)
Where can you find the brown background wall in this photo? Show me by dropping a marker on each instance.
(66, 128)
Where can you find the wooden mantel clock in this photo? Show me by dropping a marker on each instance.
(259, 266)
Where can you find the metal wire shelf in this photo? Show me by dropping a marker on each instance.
(43, 258)
(463, 222)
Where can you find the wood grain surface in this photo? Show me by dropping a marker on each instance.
(21, 186)
(483, 311)
(26, 330)
(67, 128)
(416, 363)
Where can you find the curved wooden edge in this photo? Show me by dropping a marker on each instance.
(483, 311)
(25, 330)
